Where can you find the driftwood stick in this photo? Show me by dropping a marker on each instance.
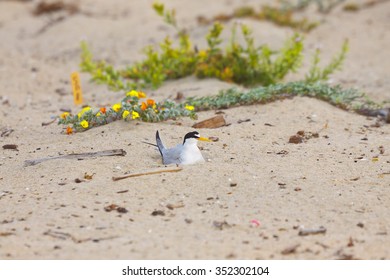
(49, 122)
(214, 122)
(116, 152)
(147, 173)
(304, 232)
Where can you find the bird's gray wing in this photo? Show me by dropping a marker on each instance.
(169, 156)
(172, 155)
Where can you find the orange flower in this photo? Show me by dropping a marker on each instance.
(69, 130)
(103, 110)
(150, 102)
(143, 106)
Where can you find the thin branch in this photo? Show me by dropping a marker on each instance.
(147, 173)
(115, 152)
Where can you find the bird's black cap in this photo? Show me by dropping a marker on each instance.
(193, 134)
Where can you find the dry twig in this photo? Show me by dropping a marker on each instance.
(115, 152)
(147, 173)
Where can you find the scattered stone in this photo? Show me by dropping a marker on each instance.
(114, 207)
(295, 139)
(122, 210)
(214, 139)
(291, 249)
(10, 147)
(221, 225)
(158, 213)
(179, 96)
(301, 136)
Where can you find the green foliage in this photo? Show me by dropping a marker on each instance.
(323, 6)
(248, 65)
(336, 95)
(169, 16)
(318, 74)
(101, 72)
(282, 16)
(245, 64)
(132, 107)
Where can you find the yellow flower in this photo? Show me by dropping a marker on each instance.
(84, 124)
(116, 107)
(202, 54)
(134, 115)
(64, 115)
(141, 94)
(98, 114)
(133, 93)
(83, 111)
(190, 107)
(125, 114)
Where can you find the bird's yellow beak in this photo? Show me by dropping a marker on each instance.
(204, 139)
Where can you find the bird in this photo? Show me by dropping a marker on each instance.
(183, 154)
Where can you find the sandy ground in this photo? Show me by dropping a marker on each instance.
(252, 172)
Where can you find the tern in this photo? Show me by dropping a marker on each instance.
(186, 153)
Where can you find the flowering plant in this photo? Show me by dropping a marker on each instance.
(134, 106)
(244, 63)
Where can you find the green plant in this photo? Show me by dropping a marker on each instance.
(323, 6)
(101, 72)
(281, 16)
(335, 95)
(284, 17)
(133, 106)
(245, 64)
(318, 74)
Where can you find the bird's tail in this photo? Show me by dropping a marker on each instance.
(160, 145)
(151, 144)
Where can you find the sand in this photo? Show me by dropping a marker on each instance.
(252, 196)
